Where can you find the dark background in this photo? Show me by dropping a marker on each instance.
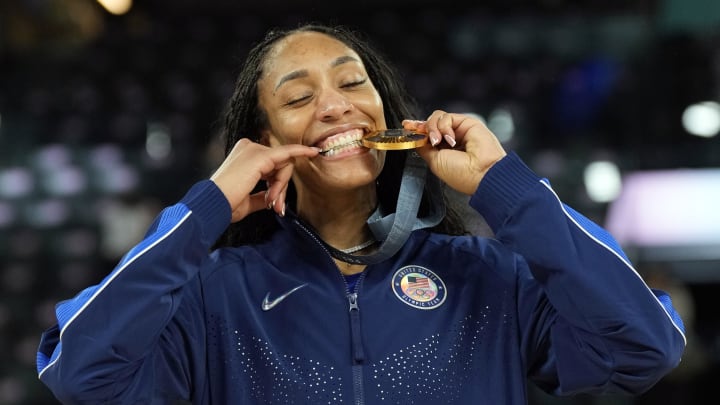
(105, 119)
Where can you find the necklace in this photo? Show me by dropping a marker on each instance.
(358, 247)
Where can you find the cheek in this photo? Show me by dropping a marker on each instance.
(289, 128)
(374, 106)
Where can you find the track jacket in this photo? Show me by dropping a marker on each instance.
(447, 320)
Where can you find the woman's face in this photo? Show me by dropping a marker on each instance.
(316, 92)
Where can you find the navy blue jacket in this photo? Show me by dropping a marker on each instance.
(447, 320)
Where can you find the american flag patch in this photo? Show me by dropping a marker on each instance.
(419, 287)
(418, 282)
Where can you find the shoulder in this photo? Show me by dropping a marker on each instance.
(474, 248)
(237, 257)
(475, 245)
(471, 258)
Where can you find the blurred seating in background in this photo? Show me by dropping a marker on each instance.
(107, 119)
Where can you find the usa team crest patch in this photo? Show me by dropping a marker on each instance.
(419, 287)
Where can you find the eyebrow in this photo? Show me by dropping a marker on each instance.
(303, 72)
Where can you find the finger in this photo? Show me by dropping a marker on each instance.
(254, 202)
(414, 125)
(267, 199)
(467, 128)
(273, 193)
(279, 156)
(435, 133)
(270, 194)
(279, 172)
(281, 201)
(428, 153)
(446, 129)
(294, 150)
(249, 162)
(278, 190)
(422, 127)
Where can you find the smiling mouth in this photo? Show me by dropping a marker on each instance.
(343, 143)
(341, 148)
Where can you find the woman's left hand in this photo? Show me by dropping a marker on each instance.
(461, 148)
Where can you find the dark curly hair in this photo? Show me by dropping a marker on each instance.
(243, 118)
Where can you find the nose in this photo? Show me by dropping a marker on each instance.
(332, 105)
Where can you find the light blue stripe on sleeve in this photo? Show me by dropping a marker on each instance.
(169, 220)
(596, 231)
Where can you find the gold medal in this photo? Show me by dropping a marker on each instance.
(394, 139)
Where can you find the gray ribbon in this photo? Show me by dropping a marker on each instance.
(394, 229)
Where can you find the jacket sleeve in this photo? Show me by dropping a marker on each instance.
(130, 338)
(595, 326)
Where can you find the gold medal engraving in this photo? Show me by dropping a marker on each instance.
(394, 139)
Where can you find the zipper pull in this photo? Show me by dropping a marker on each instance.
(355, 330)
(352, 298)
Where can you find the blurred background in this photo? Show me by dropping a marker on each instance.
(109, 110)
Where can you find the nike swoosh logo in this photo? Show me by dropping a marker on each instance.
(269, 304)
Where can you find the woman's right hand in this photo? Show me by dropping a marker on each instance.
(250, 162)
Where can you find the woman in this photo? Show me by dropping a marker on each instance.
(301, 300)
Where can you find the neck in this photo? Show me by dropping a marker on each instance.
(341, 219)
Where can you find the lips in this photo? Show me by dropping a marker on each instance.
(341, 142)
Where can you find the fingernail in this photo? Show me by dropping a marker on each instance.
(434, 138)
(450, 140)
(282, 212)
(270, 205)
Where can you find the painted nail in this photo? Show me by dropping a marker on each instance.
(434, 138)
(449, 140)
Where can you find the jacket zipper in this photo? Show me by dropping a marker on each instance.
(358, 353)
(357, 349)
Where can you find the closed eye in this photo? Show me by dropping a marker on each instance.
(297, 100)
(354, 84)
(350, 85)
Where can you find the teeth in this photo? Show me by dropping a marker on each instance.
(349, 140)
(341, 148)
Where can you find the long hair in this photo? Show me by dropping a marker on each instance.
(243, 118)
